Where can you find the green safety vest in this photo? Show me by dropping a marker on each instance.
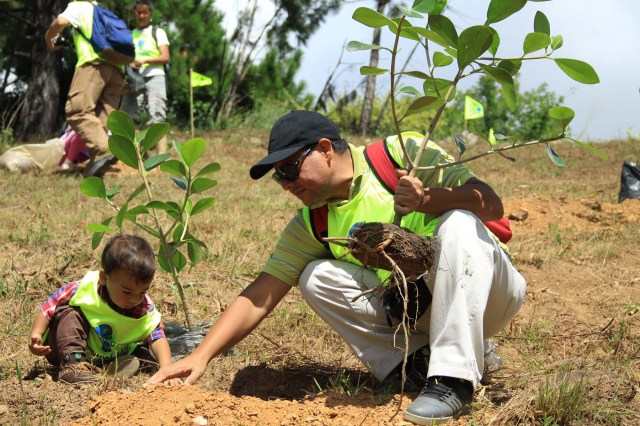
(84, 50)
(146, 46)
(112, 334)
(374, 203)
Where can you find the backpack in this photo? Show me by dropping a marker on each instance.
(383, 167)
(110, 37)
(167, 66)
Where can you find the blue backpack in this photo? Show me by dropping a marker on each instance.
(110, 37)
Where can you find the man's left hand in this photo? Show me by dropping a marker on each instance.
(409, 194)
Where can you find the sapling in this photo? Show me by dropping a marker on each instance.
(164, 219)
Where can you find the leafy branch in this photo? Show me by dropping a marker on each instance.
(172, 228)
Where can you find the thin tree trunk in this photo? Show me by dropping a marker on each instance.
(39, 116)
(370, 91)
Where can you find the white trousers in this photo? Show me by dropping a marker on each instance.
(476, 292)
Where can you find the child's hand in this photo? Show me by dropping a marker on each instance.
(36, 347)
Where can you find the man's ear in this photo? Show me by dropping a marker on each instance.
(325, 147)
(103, 278)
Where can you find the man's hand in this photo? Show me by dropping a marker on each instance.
(190, 367)
(36, 347)
(54, 31)
(410, 195)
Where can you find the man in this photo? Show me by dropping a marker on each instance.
(152, 53)
(96, 87)
(475, 290)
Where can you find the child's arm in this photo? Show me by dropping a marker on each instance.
(162, 351)
(40, 325)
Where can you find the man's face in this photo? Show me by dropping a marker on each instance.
(142, 15)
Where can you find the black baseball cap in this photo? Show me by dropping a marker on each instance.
(291, 133)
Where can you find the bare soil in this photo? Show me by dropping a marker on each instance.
(577, 249)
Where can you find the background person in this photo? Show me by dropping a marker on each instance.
(95, 89)
(475, 291)
(105, 317)
(152, 53)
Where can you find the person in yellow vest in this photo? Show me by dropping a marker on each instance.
(469, 295)
(106, 319)
(152, 54)
(96, 87)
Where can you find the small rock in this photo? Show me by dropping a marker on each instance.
(284, 423)
(3, 409)
(199, 421)
(190, 408)
(518, 216)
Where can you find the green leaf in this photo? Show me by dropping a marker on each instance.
(512, 66)
(472, 43)
(432, 36)
(590, 149)
(120, 123)
(120, 216)
(499, 75)
(417, 74)
(509, 96)
(441, 60)
(192, 150)
(135, 211)
(112, 193)
(580, 71)
(153, 162)
(452, 52)
(541, 24)
(195, 251)
(208, 169)
(563, 115)
(99, 227)
(443, 26)
(408, 31)
(461, 144)
(422, 104)
(93, 187)
(202, 205)
(409, 12)
(182, 183)
(137, 192)
(154, 133)
(409, 91)
(160, 205)
(502, 9)
(202, 184)
(495, 42)
(353, 46)
(179, 260)
(555, 157)
(188, 205)
(424, 6)
(140, 136)
(556, 42)
(437, 87)
(97, 236)
(174, 167)
(365, 70)
(534, 42)
(370, 17)
(124, 150)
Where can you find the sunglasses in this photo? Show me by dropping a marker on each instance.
(291, 171)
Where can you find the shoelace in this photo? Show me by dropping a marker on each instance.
(437, 389)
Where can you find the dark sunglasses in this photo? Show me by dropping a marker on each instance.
(291, 171)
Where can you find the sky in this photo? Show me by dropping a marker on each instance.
(604, 34)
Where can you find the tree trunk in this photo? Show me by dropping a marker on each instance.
(39, 116)
(370, 91)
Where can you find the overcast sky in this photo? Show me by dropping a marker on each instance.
(604, 34)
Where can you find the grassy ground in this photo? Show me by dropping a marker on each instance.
(570, 357)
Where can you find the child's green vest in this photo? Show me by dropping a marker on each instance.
(112, 334)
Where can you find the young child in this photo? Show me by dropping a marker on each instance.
(104, 318)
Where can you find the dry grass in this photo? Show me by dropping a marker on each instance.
(570, 357)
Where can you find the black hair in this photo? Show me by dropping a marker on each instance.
(340, 145)
(132, 254)
(143, 2)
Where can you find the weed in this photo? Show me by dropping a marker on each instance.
(342, 383)
(561, 402)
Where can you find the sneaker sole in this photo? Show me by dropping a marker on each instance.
(423, 420)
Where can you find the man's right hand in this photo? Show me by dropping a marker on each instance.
(190, 367)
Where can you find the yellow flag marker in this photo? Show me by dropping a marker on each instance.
(472, 109)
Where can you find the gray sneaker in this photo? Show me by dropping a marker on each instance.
(442, 399)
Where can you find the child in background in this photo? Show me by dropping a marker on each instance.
(107, 317)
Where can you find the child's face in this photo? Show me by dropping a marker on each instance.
(142, 15)
(123, 289)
